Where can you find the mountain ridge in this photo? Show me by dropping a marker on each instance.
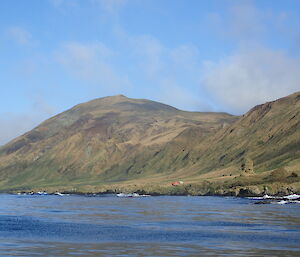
(124, 141)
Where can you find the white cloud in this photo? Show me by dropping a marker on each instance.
(92, 63)
(56, 3)
(20, 35)
(258, 70)
(179, 96)
(151, 54)
(240, 22)
(185, 54)
(61, 5)
(106, 8)
(162, 68)
(16, 124)
(13, 125)
(111, 7)
(173, 72)
(245, 21)
(250, 77)
(147, 58)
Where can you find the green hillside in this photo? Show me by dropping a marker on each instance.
(136, 144)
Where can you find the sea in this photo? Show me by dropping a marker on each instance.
(133, 225)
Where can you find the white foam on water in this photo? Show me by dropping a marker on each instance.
(131, 195)
(60, 194)
(288, 197)
(292, 197)
(282, 202)
(42, 193)
(267, 197)
(286, 202)
(262, 197)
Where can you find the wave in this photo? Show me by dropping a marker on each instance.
(131, 195)
(289, 197)
(266, 199)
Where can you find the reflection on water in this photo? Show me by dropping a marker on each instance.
(149, 226)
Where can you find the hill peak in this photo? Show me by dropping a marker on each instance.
(118, 96)
(116, 138)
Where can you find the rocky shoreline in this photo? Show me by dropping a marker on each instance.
(205, 189)
(265, 199)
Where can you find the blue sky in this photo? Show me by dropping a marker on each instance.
(222, 55)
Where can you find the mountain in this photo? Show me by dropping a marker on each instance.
(136, 144)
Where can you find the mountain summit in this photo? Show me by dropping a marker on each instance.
(119, 140)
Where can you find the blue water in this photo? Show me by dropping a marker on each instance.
(49, 225)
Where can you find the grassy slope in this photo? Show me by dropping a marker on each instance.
(118, 142)
(268, 134)
(107, 139)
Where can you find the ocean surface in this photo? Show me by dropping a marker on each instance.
(70, 225)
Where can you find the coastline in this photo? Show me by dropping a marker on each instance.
(275, 190)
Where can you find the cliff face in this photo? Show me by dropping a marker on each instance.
(135, 141)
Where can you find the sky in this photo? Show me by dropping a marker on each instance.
(209, 55)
